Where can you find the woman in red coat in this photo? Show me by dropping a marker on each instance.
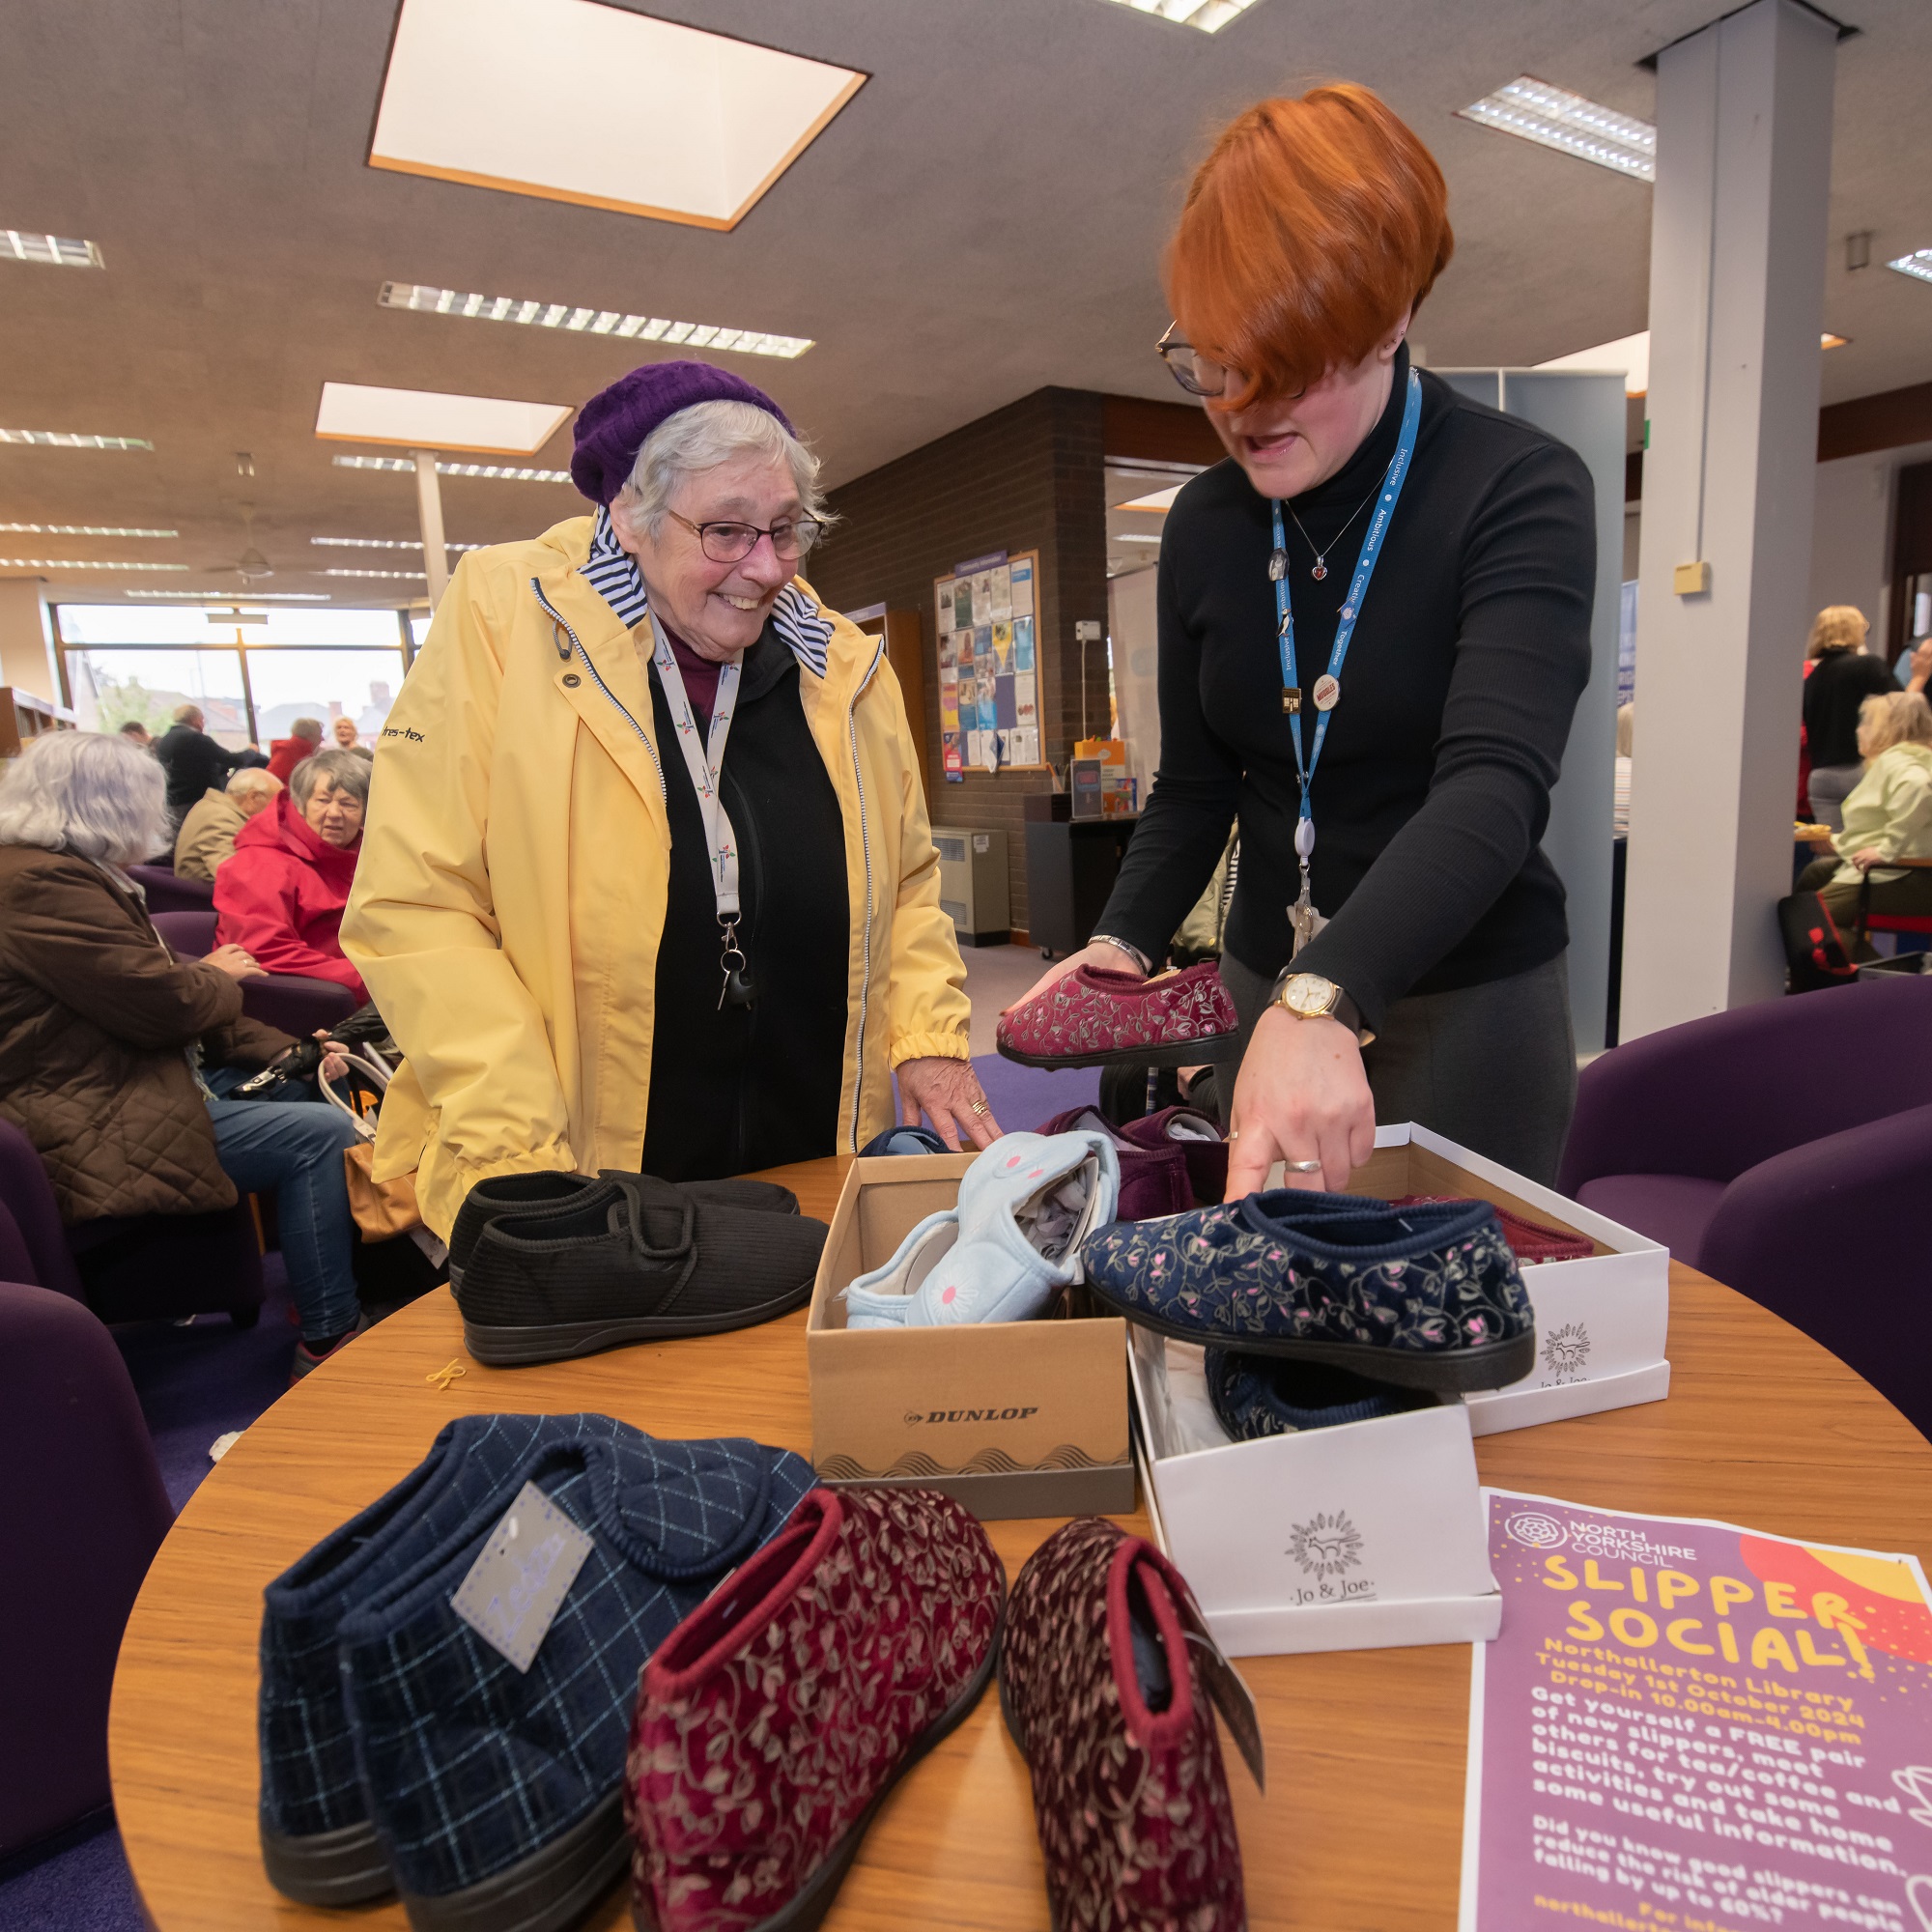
(282, 892)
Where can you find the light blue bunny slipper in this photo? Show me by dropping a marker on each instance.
(1009, 1248)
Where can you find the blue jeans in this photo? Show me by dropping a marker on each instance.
(294, 1149)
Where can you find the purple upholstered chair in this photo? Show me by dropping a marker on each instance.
(82, 1516)
(168, 892)
(1787, 1149)
(135, 1267)
(286, 1000)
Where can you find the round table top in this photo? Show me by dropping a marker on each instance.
(1361, 1824)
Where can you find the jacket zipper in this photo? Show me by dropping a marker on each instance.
(865, 847)
(577, 648)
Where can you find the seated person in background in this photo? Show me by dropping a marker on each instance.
(280, 893)
(114, 1053)
(207, 835)
(305, 741)
(1887, 815)
(1840, 679)
(194, 763)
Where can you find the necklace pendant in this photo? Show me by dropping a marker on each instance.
(1320, 571)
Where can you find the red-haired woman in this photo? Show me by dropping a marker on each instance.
(1374, 626)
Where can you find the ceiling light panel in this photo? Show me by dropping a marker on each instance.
(502, 473)
(1209, 16)
(61, 438)
(77, 563)
(254, 596)
(1555, 118)
(83, 531)
(1918, 264)
(374, 543)
(587, 321)
(428, 419)
(54, 250)
(420, 576)
(664, 120)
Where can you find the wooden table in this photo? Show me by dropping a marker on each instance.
(1360, 1827)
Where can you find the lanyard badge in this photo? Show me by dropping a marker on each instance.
(706, 762)
(1326, 693)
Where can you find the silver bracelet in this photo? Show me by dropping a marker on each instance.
(1133, 952)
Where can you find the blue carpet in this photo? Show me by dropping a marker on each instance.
(85, 1890)
(1023, 1098)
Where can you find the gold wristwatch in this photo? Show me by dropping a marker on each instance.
(1308, 996)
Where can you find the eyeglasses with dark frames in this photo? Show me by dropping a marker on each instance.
(733, 543)
(1198, 374)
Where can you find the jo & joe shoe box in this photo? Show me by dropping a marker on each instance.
(1008, 1418)
(1373, 1534)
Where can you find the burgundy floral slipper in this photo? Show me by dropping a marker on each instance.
(1106, 1699)
(1095, 1018)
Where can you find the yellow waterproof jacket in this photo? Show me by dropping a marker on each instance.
(515, 870)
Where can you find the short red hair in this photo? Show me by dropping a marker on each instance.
(1310, 228)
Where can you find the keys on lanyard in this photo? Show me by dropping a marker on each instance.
(1304, 921)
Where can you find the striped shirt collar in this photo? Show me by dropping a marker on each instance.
(614, 574)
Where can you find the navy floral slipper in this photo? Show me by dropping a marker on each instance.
(1427, 1296)
(1257, 1396)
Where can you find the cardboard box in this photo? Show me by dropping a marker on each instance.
(1009, 1418)
(1602, 1321)
(1355, 1538)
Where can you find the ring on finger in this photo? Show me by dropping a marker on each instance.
(978, 1107)
(1302, 1166)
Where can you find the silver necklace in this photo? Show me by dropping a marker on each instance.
(1321, 569)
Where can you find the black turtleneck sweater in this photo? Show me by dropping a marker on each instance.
(1472, 647)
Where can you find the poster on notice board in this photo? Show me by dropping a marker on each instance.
(1685, 1726)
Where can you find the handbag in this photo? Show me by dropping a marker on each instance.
(289, 1076)
(381, 1209)
(1814, 948)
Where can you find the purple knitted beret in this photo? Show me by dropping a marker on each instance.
(613, 425)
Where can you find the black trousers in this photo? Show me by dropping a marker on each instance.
(1910, 894)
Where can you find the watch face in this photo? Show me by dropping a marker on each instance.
(1308, 993)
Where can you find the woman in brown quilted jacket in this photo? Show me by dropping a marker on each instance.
(115, 1054)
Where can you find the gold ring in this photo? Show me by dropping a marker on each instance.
(978, 1107)
(1235, 1133)
(1302, 1166)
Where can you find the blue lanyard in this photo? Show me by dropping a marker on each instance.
(1327, 691)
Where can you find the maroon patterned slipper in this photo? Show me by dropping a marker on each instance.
(772, 1722)
(1095, 1018)
(1199, 1141)
(1530, 1242)
(1106, 1699)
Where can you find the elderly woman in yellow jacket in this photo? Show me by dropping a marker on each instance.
(648, 881)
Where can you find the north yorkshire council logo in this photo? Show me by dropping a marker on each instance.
(1537, 1530)
(1325, 1546)
(1566, 1349)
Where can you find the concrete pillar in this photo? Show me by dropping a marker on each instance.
(27, 638)
(1744, 142)
(429, 508)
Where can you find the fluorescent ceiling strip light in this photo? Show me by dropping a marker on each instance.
(1209, 16)
(61, 438)
(1918, 265)
(77, 563)
(665, 120)
(1135, 536)
(592, 320)
(56, 250)
(374, 543)
(83, 531)
(503, 472)
(430, 419)
(1555, 118)
(228, 596)
(420, 576)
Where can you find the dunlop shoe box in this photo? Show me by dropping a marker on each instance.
(1361, 1537)
(1601, 1319)
(1008, 1418)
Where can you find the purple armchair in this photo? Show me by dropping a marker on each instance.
(284, 1000)
(168, 892)
(83, 1526)
(1787, 1149)
(133, 1267)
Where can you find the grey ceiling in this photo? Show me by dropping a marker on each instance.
(985, 217)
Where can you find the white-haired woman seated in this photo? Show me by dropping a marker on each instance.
(648, 881)
(115, 1054)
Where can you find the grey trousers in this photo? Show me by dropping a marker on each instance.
(1492, 1067)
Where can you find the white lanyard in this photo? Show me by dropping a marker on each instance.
(706, 767)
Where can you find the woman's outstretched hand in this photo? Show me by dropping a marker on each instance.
(1108, 958)
(1301, 1095)
(949, 1093)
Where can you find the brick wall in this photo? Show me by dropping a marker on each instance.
(1027, 478)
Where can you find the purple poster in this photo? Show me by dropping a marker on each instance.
(1689, 1727)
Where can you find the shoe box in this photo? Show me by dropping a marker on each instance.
(1008, 1418)
(1373, 1534)
(1601, 1319)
